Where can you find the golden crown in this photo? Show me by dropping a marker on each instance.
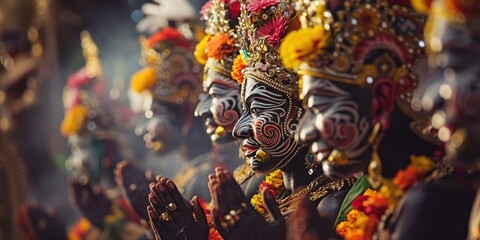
(93, 65)
(262, 27)
(220, 47)
(358, 43)
(171, 73)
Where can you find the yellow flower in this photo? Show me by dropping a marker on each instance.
(421, 6)
(73, 120)
(143, 79)
(275, 179)
(201, 50)
(342, 228)
(391, 191)
(257, 203)
(303, 45)
(422, 164)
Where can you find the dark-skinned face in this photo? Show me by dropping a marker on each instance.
(267, 125)
(220, 106)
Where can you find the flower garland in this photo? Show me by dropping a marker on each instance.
(362, 221)
(274, 183)
(237, 68)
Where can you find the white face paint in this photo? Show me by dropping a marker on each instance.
(269, 122)
(333, 120)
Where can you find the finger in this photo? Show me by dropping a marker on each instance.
(155, 224)
(159, 209)
(217, 222)
(271, 206)
(200, 216)
(177, 198)
(178, 219)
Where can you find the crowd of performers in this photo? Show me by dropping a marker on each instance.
(280, 119)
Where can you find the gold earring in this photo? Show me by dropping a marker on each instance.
(337, 157)
(375, 166)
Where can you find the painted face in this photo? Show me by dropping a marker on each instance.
(267, 126)
(160, 131)
(335, 119)
(220, 107)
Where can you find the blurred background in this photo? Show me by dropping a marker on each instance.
(41, 151)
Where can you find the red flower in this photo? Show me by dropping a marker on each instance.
(273, 30)
(170, 35)
(259, 5)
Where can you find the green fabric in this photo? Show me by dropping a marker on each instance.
(358, 189)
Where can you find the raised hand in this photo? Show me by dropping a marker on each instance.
(134, 185)
(171, 217)
(233, 215)
(91, 201)
(37, 224)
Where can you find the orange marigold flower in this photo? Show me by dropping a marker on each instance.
(219, 46)
(342, 228)
(406, 178)
(143, 79)
(237, 68)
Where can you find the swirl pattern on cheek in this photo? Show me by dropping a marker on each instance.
(340, 124)
(226, 109)
(273, 122)
(344, 128)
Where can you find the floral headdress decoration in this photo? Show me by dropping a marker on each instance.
(358, 43)
(170, 74)
(83, 109)
(218, 49)
(262, 26)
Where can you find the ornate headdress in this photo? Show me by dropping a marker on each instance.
(83, 109)
(218, 49)
(360, 43)
(171, 74)
(262, 27)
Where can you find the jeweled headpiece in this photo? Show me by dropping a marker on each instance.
(262, 26)
(359, 43)
(83, 111)
(218, 49)
(170, 73)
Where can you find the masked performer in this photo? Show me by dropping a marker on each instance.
(451, 97)
(221, 107)
(267, 125)
(357, 62)
(96, 146)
